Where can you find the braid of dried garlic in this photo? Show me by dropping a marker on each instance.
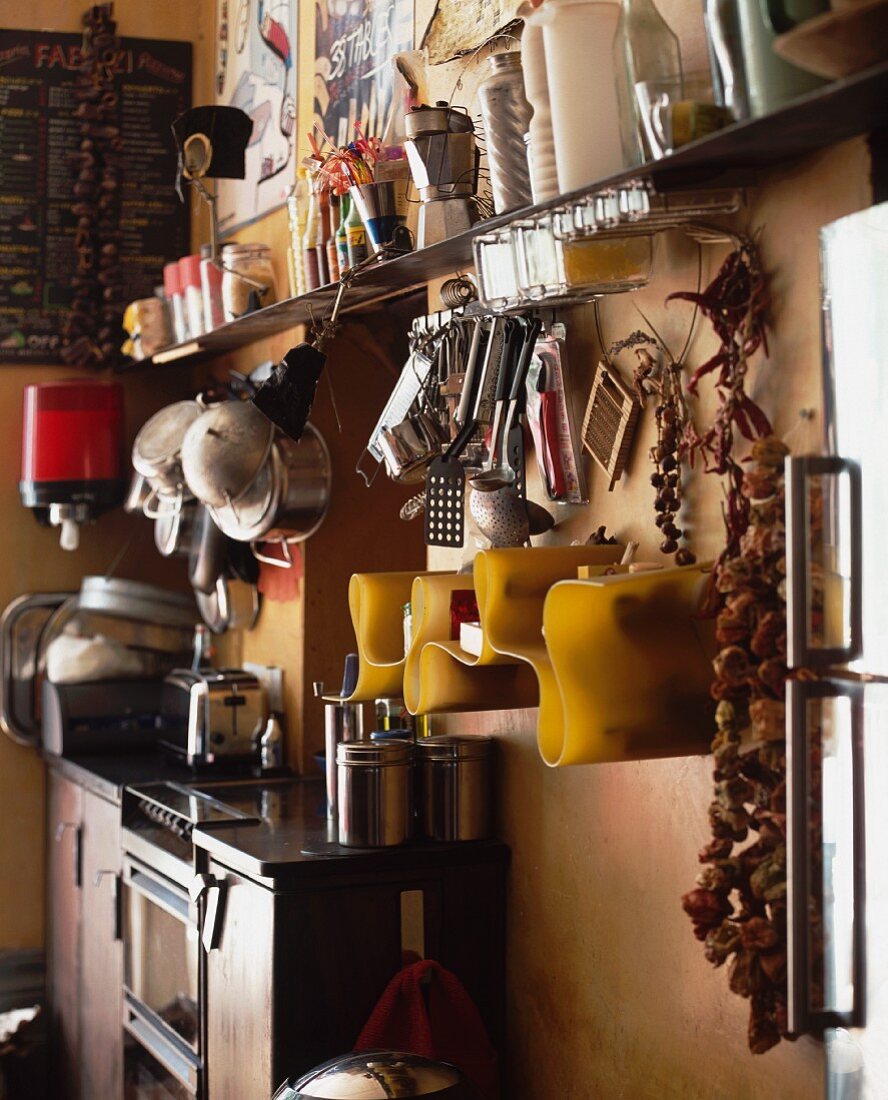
(739, 906)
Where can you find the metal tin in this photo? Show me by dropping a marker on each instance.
(375, 793)
(454, 775)
(506, 114)
(343, 721)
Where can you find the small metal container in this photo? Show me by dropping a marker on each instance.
(454, 775)
(375, 793)
(343, 721)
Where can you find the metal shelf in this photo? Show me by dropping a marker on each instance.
(732, 157)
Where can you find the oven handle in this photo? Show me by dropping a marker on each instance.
(160, 892)
(211, 891)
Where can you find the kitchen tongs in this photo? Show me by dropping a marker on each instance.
(446, 479)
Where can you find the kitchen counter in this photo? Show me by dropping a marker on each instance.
(293, 840)
(106, 774)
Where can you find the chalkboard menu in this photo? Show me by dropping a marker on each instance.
(38, 134)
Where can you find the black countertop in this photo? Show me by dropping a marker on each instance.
(293, 840)
(106, 774)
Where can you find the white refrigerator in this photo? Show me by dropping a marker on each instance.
(837, 601)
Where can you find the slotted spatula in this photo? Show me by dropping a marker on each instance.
(446, 478)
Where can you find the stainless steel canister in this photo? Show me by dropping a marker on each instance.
(343, 721)
(506, 114)
(375, 786)
(454, 776)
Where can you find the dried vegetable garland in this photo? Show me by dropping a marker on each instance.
(739, 906)
(663, 381)
(91, 332)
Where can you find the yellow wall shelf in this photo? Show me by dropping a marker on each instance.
(376, 602)
(630, 668)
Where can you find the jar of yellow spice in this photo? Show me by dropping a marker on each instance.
(247, 279)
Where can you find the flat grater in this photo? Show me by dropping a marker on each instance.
(446, 478)
(610, 422)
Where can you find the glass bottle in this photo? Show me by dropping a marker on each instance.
(310, 242)
(342, 235)
(356, 236)
(647, 58)
(323, 235)
(332, 256)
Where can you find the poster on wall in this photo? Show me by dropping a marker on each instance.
(355, 41)
(256, 71)
(40, 134)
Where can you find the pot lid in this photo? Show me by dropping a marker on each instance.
(251, 515)
(146, 603)
(440, 119)
(451, 746)
(378, 1074)
(224, 450)
(160, 439)
(375, 753)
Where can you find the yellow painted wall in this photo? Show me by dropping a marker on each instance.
(31, 558)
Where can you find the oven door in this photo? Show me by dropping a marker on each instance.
(162, 985)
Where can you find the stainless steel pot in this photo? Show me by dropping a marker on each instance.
(231, 605)
(377, 1075)
(173, 529)
(288, 500)
(374, 793)
(454, 776)
(223, 451)
(158, 446)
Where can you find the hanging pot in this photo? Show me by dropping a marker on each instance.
(157, 451)
(230, 605)
(223, 451)
(289, 498)
(173, 529)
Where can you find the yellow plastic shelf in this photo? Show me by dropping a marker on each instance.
(510, 586)
(376, 601)
(438, 676)
(630, 668)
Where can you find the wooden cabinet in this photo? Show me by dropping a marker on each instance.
(298, 970)
(84, 954)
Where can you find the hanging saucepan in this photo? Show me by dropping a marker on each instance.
(157, 456)
(288, 500)
(223, 451)
(231, 605)
(173, 529)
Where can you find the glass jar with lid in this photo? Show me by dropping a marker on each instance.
(248, 281)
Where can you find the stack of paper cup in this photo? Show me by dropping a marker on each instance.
(578, 37)
(541, 148)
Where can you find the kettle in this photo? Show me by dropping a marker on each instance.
(382, 1074)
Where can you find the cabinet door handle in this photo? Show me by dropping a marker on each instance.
(115, 897)
(211, 891)
(803, 1016)
(61, 829)
(802, 652)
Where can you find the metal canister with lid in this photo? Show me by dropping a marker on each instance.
(506, 114)
(375, 793)
(455, 794)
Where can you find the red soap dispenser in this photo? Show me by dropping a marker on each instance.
(72, 453)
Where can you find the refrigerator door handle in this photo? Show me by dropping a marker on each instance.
(801, 653)
(803, 1016)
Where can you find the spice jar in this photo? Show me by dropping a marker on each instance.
(172, 289)
(375, 793)
(454, 776)
(247, 280)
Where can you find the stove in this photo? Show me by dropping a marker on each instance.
(171, 909)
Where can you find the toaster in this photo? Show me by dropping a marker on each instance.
(213, 714)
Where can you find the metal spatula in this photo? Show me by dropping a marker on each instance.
(446, 478)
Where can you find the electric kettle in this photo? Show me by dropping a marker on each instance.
(379, 1074)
